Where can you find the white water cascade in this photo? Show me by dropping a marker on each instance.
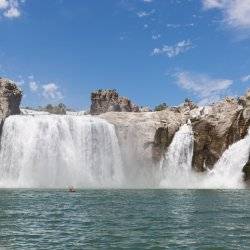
(227, 172)
(177, 169)
(177, 166)
(53, 151)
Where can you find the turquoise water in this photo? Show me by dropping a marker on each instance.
(130, 219)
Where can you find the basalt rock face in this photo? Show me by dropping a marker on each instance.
(103, 101)
(223, 125)
(10, 98)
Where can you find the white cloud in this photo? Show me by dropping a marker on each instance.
(33, 86)
(174, 26)
(209, 4)
(156, 37)
(4, 4)
(236, 13)
(145, 13)
(245, 78)
(204, 87)
(147, 1)
(10, 8)
(175, 50)
(51, 91)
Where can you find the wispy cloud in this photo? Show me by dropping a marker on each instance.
(156, 37)
(175, 26)
(236, 13)
(207, 89)
(147, 1)
(33, 86)
(11, 8)
(174, 50)
(141, 14)
(245, 78)
(51, 91)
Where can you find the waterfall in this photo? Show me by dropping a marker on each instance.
(57, 151)
(177, 169)
(177, 165)
(227, 172)
(54, 151)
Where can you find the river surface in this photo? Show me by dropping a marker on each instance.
(124, 219)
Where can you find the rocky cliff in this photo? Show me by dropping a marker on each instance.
(147, 135)
(109, 100)
(223, 125)
(10, 98)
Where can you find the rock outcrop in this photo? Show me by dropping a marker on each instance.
(223, 125)
(10, 98)
(103, 101)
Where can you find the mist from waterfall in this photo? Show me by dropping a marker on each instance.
(56, 151)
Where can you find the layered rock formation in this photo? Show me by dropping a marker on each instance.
(103, 101)
(10, 98)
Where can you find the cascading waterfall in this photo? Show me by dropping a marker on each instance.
(177, 169)
(227, 172)
(177, 165)
(57, 151)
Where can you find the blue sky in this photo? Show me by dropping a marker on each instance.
(151, 51)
